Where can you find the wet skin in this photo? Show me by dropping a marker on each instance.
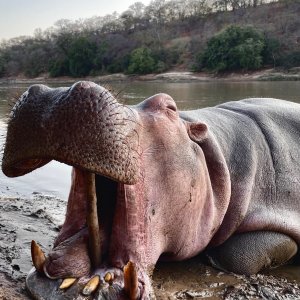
(150, 182)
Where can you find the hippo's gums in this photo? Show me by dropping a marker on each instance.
(150, 182)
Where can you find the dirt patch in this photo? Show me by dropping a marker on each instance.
(12, 289)
(23, 220)
(40, 217)
(194, 280)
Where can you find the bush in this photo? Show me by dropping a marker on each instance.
(119, 65)
(168, 56)
(59, 67)
(2, 66)
(160, 67)
(290, 60)
(81, 56)
(233, 49)
(271, 51)
(141, 61)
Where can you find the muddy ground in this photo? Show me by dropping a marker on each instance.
(40, 217)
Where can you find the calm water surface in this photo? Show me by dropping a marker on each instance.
(54, 178)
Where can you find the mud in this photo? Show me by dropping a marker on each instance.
(40, 217)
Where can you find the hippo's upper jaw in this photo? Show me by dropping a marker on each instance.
(82, 126)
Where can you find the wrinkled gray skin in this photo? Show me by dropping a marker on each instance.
(169, 184)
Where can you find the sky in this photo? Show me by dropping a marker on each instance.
(21, 17)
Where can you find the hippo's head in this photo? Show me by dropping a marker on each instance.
(140, 187)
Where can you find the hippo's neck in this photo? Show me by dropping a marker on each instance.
(210, 203)
(218, 182)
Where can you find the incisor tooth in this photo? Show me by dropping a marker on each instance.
(109, 277)
(131, 281)
(67, 283)
(38, 257)
(91, 286)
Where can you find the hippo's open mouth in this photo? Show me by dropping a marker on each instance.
(103, 236)
(89, 243)
(84, 240)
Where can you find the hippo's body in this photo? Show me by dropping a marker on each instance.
(168, 185)
(259, 139)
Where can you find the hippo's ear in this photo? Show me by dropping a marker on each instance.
(196, 131)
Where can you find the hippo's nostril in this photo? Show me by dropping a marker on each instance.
(171, 107)
(36, 89)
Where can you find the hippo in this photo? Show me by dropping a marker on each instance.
(153, 183)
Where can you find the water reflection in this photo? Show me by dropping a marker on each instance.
(202, 94)
(54, 178)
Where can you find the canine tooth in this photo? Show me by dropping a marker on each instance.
(92, 220)
(91, 286)
(131, 281)
(38, 257)
(67, 283)
(109, 277)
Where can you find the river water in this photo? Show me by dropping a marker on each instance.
(54, 178)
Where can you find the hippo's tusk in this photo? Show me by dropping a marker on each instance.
(131, 281)
(92, 221)
(91, 286)
(38, 257)
(67, 283)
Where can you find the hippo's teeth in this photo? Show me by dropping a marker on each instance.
(109, 277)
(67, 283)
(92, 221)
(131, 281)
(91, 286)
(38, 257)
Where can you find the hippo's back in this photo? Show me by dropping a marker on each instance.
(277, 122)
(260, 140)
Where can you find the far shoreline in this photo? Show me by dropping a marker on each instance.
(171, 76)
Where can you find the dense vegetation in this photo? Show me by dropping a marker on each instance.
(166, 34)
(236, 48)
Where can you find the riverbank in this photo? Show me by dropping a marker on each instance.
(174, 76)
(39, 217)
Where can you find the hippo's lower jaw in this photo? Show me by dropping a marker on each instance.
(91, 255)
(96, 286)
(103, 284)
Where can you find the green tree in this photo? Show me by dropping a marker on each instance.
(100, 56)
(234, 48)
(81, 56)
(290, 60)
(59, 67)
(141, 61)
(2, 63)
(271, 51)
